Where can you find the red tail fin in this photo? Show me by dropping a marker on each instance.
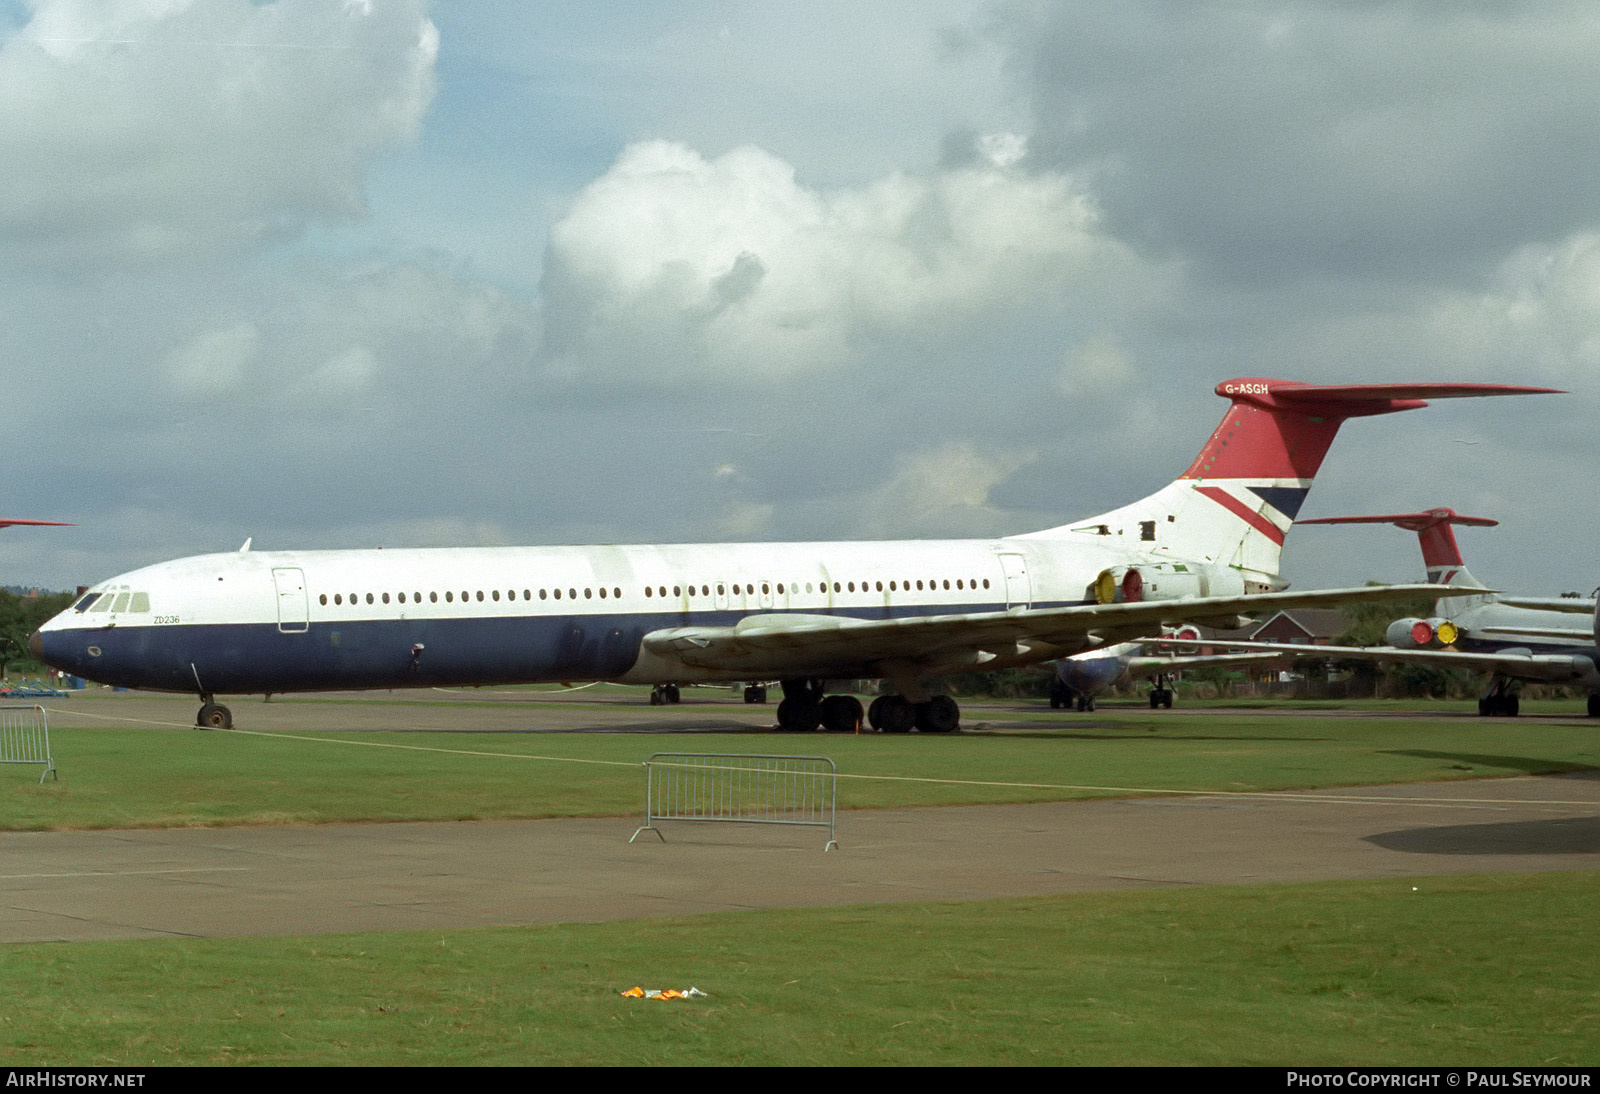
(1439, 551)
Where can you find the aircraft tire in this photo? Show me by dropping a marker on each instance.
(799, 715)
(214, 716)
(938, 715)
(1594, 704)
(895, 714)
(841, 714)
(1504, 705)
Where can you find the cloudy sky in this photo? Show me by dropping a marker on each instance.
(343, 273)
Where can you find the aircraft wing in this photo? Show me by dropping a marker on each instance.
(1152, 664)
(1560, 634)
(783, 645)
(1575, 605)
(1552, 668)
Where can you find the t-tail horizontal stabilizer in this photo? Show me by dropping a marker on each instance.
(1440, 554)
(1237, 500)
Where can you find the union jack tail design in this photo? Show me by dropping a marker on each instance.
(1236, 502)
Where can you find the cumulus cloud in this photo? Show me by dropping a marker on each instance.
(216, 363)
(672, 265)
(400, 324)
(149, 129)
(941, 491)
(1550, 298)
(1098, 366)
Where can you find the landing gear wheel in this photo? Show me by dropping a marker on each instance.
(214, 716)
(800, 714)
(938, 715)
(1161, 697)
(1060, 696)
(892, 714)
(1085, 703)
(1500, 705)
(755, 693)
(1594, 705)
(841, 714)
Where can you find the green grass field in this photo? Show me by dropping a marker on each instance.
(1462, 971)
(166, 777)
(1485, 970)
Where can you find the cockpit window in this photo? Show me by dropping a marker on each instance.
(103, 604)
(120, 604)
(83, 605)
(141, 602)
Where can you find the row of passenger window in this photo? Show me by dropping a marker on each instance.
(466, 596)
(650, 591)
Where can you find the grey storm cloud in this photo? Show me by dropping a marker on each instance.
(1328, 139)
(351, 274)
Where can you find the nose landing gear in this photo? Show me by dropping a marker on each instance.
(213, 715)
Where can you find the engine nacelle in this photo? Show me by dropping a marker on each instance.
(1087, 675)
(1119, 585)
(1179, 580)
(1188, 633)
(1421, 634)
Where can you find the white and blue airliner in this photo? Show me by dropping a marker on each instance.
(1204, 548)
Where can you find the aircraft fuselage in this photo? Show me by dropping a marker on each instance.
(312, 620)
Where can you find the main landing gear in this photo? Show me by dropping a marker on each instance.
(665, 694)
(1499, 701)
(1064, 698)
(805, 708)
(213, 715)
(1160, 694)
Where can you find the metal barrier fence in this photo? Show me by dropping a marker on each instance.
(25, 738)
(739, 788)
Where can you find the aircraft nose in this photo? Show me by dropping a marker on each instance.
(36, 646)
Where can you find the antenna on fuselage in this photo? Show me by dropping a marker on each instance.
(245, 546)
